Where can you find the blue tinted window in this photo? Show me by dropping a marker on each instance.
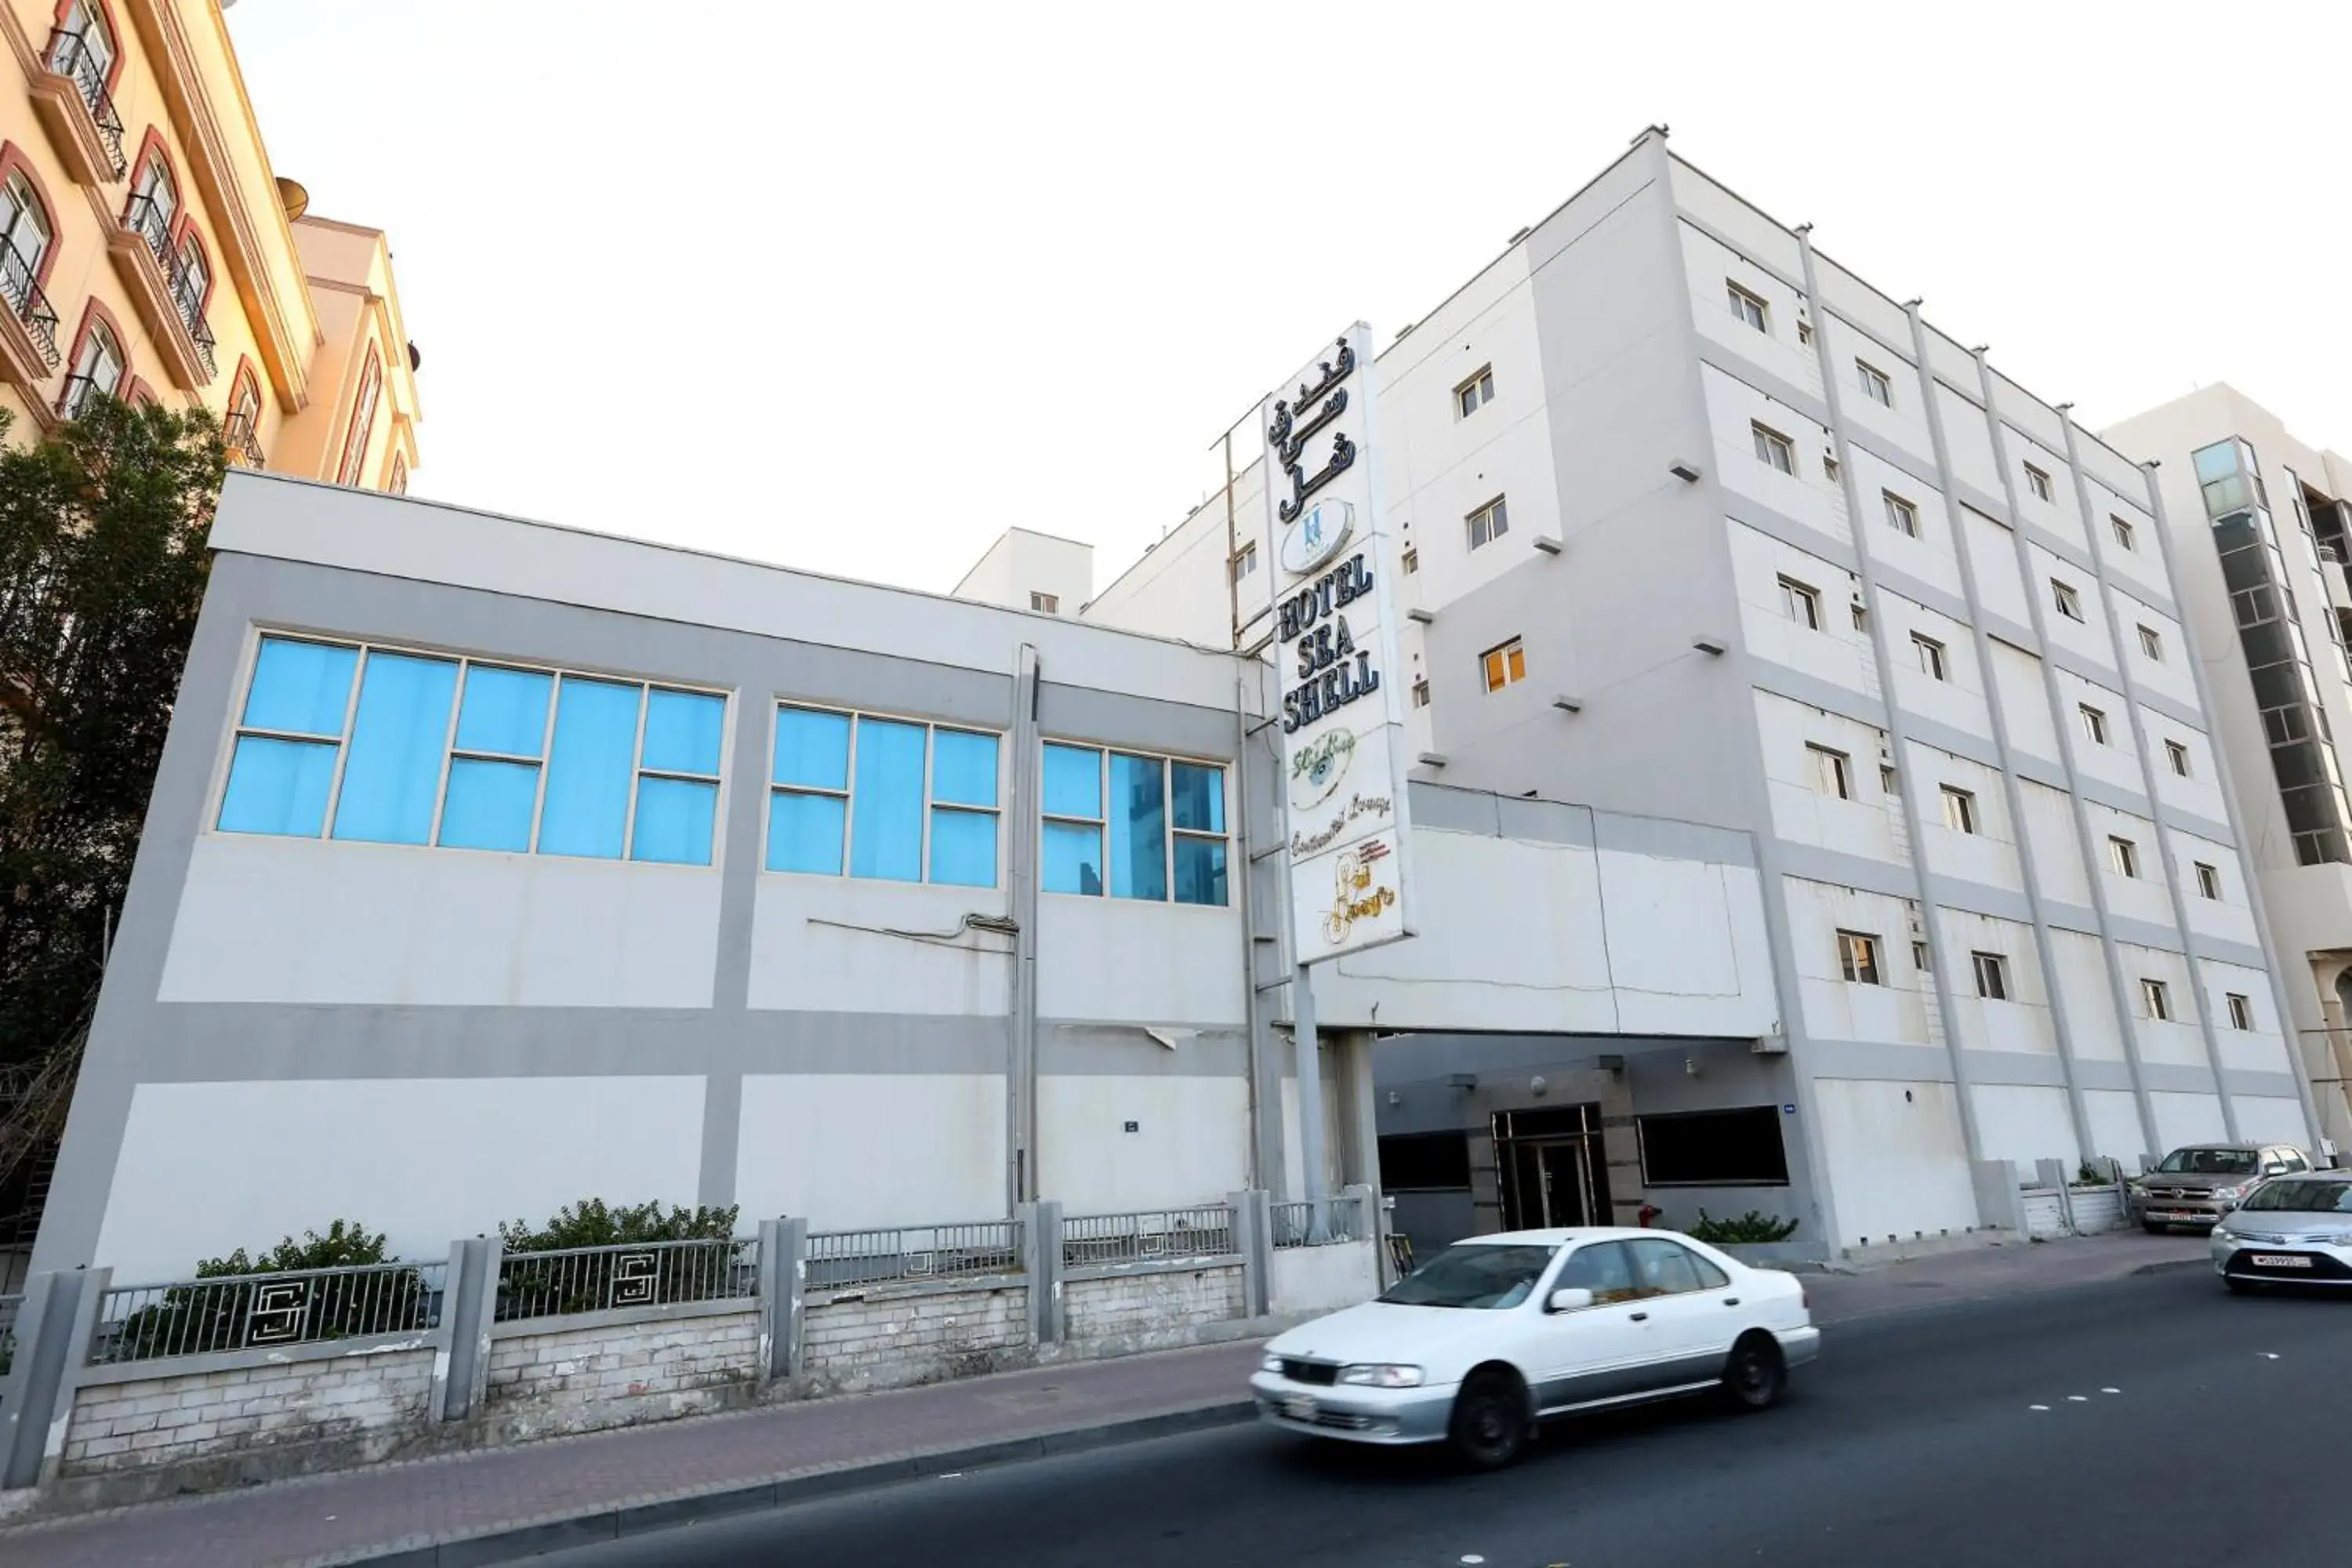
(1073, 781)
(277, 787)
(886, 826)
(504, 711)
(489, 805)
(673, 822)
(804, 832)
(682, 730)
(1073, 857)
(812, 749)
(1197, 796)
(592, 764)
(399, 735)
(963, 768)
(1200, 870)
(304, 688)
(1138, 828)
(963, 848)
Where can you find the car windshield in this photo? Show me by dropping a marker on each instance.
(1490, 1277)
(2209, 1163)
(2302, 1198)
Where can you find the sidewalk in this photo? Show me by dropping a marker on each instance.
(506, 1503)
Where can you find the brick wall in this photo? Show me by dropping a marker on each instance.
(893, 1339)
(371, 1402)
(1146, 1309)
(582, 1380)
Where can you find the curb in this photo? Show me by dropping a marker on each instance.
(644, 1515)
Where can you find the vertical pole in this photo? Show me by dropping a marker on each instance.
(69, 1359)
(446, 1363)
(1041, 1243)
(789, 1352)
(1310, 1067)
(475, 1309)
(776, 1303)
(43, 1321)
(1251, 1241)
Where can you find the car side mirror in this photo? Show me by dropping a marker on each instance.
(1574, 1298)
(2275, 1168)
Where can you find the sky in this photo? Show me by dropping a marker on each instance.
(854, 288)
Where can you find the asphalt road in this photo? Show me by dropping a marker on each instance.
(2153, 1422)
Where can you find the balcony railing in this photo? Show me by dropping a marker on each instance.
(69, 57)
(79, 390)
(147, 219)
(32, 307)
(243, 441)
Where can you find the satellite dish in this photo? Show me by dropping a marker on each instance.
(292, 197)
(416, 360)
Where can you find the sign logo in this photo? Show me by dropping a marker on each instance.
(1321, 768)
(1354, 897)
(1320, 532)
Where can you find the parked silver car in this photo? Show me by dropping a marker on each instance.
(2196, 1186)
(2292, 1230)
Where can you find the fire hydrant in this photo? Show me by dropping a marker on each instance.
(1650, 1213)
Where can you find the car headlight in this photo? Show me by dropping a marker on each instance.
(1270, 1363)
(1382, 1375)
(2230, 1194)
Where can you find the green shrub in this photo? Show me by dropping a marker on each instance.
(540, 1287)
(191, 1320)
(1750, 1226)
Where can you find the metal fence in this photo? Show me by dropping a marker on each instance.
(845, 1260)
(1093, 1241)
(242, 1312)
(633, 1274)
(1296, 1224)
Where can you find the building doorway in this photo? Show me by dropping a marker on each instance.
(1554, 1173)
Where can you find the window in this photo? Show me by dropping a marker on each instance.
(1503, 666)
(1605, 1268)
(1919, 956)
(1748, 308)
(1244, 562)
(1739, 1148)
(1421, 693)
(1670, 1268)
(398, 483)
(2038, 482)
(1901, 515)
(26, 232)
(2124, 855)
(2125, 535)
(85, 49)
(1833, 772)
(1875, 384)
(889, 799)
(2209, 881)
(1046, 604)
(1992, 975)
(97, 367)
(2151, 644)
(2068, 602)
(1858, 958)
(382, 746)
(1805, 334)
(1887, 780)
(1412, 561)
(1829, 468)
(2242, 1011)
(1775, 448)
(2177, 756)
(154, 203)
(1931, 656)
(1476, 392)
(1488, 523)
(241, 431)
(2156, 1000)
(2094, 725)
(1861, 615)
(363, 426)
(1425, 1161)
(1800, 604)
(1133, 826)
(191, 281)
(1959, 810)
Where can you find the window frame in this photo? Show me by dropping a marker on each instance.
(2123, 856)
(1902, 514)
(1773, 449)
(1832, 770)
(2177, 753)
(1961, 809)
(1935, 659)
(1748, 306)
(1476, 392)
(2127, 534)
(98, 327)
(1043, 604)
(1514, 671)
(1800, 602)
(2094, 723)
(2151, 643)
(359, 435)
(1495, 517)
(2241, 1010)
(1876, 385)
(16, 171)
(2067, 600)
(1991, 971)
(1170, 833)
(236, 729)
(847, 794)
(2208, 880)
(1244, 562)
(1858, 958)
(2038, 481)
(2155, 1000)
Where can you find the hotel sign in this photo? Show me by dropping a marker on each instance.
(1341, 721)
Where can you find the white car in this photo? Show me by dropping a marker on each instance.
(1498, 1333)
(2291, 1230)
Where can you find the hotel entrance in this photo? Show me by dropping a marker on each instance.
(1554, 1173)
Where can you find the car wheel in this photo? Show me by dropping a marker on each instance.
(1755, 1374)
(1489, 1429)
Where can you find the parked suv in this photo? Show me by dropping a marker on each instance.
(2196, 1186)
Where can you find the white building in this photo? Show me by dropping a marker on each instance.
(1701, 525)
(2271, 605)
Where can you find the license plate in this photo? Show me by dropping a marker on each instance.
(2180, 1216)
(1299, 1407)
(2272, 1260)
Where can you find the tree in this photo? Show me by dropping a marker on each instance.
(102, 568)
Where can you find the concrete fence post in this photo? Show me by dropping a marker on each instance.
(470, 1305)
(1359, 1223)
(2054, 1174)
(71, 1357)
(784, 1298)
(1041, 1247)
(446, 1358)
(1253, 1238)
(38, 1371)
(2000, 1206)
